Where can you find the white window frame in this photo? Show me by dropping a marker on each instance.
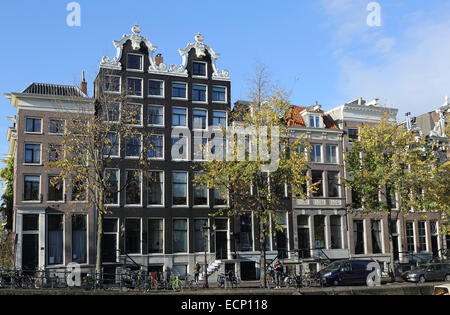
(40, 154)
(63, 237)
(207, 117)
(116, 234)
(136, 157)
(142, 63)
(23, 188)
(63, 190)
(188, 236)
(163, 192)
(187, 117)
(119, 144)
(208, 241)
(87, 237)
(226, 117)
(49, 127)
(118, 185)
(336, 156)
(187, 149)
(164, 115)
(142, 114)
(163, 236)
(207, 197)
(206, 94)
(226, 94)
(142, 88)
(163, 148)
(141, 235)
(141, 190)
(187, 91)
(187, 190)
(206, 149)
(200, 76)
(31, 132)
(120, 84)
(163, 89)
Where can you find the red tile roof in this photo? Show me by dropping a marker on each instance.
(295, 119)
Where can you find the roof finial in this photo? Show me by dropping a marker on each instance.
(446, 101)
(199, 38)
(136, 29)
(83, 77)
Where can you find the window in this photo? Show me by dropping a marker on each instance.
(332, 154)
(319, 231)
(54, 152)
(55, 189)
(200, 118)
(55, 227)
(57, 126)
(134, 62)
(303, 236)
(79, 239)
(30, 223)
(33, 125)
(112, 187)
(410, 236)
(219, 94)
(32, 153)
(358, 236)
(132, 114)
(112, 83)
(134, 87)
(133, 188)
(422, 236)
(314, 121)
(111, 112)
(199, 69)
(156, 188)
(179, 148)
(31, 188)
(200, 195)
(133, 146)
(316, 153)
(199, 93)
(219, 119)
(317, 177)
(220, 197)
(200, 149)
(180, 238)
(156, 150)
(352, 133)
(179, 90)
(199, 235)
(377, 247)
(180, 271)
(133, 236)
(112, 145)
(155, 236)
(246, 235)
(356, 199)
(156, 88)
(179, 189)
(219, 149)
(179, 117)
(336, 232)
(109, 242)
(333, 184)
(79, 190)
(155, 115)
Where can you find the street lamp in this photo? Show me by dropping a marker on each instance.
(204, 230)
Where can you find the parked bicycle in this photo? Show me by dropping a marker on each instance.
(229, 277)
(190, 284)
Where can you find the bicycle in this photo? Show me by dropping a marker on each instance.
(190, 284)
(230, 277)
(175, 283)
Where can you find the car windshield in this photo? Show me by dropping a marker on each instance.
(334, 266)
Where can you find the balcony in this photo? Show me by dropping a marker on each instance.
(321, 202)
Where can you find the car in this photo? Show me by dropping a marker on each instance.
(346, 272)
(443, 289)
(428, 272)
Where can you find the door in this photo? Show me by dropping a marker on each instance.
(434, 246)
(221, 245)
(248, 271)
(109, 248)
(30, 249)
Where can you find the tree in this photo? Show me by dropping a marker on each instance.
(394, 162)
(94, 145)
(247, 179)
(7, 175)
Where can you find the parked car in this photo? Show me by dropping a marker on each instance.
(428, 272)
(346, 272)
(443, 289)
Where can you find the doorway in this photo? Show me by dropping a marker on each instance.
(30, 250)
(248, 271)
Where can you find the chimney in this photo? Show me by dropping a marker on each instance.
(159, 59)
(83, 84)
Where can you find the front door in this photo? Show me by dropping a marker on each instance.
(30, 251)
(221, 245)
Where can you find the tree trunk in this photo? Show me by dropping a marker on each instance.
(390, 230)
(262, 243)
(98, 265)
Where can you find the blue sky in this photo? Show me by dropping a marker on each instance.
(322, 50)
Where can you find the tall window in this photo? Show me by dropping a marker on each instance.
(317, 177)
(199, 245)
(377, 247)
(332, 154)
(198, 93)
(133, 146)
(200, 195)
(179, 90)
(111, 112)
(57, 126)
(133, 188)
(134, 87)
(31, 188)
(134, 62)
(132, 114)
(179, 189)
(55, 224)
(246, 235)
(155, 236)
(314, 121)
(358, 236)
(155, 115)
(219, 94)
(319, 231)
(109, 242)
(316, 153)
(180, 236)
(410, 237)
(352, 133)
(333, 184)
(79, 239)
(79, 189)
(219, 119)
(54, 152)
(155, 88)
(55, 189)
(32, 153)
(180, 148)
(33, 125)
(422, 236)
(199, 119)
(303, 236)
(112, 184)
(200, 149)
(133, 236)
(220, 197)
(179, 117)
(112, 83)
(336, 232)
(112, 146)
(199, 69)
(156, 188)
(156, 150)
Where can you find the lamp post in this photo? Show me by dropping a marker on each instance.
(204, 230)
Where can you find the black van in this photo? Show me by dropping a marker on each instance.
(346, 272)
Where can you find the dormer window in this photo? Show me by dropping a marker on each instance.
(134, 62)
(314, 121)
